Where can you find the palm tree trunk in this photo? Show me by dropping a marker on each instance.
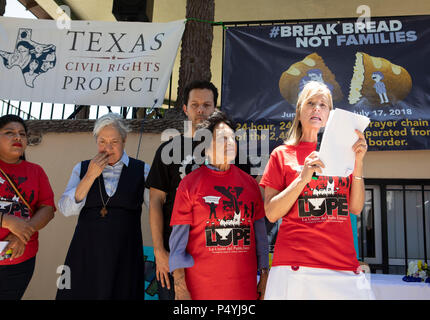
(196, 50)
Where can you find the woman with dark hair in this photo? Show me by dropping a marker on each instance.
(26, 206)
(218, 242)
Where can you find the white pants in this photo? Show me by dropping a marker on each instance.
(315, 283)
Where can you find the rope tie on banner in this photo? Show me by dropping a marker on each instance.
(207, 21)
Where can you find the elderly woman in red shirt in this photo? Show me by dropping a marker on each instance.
(219, 240)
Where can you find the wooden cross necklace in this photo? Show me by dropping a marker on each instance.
(103, 211)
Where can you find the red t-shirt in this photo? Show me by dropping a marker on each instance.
(317, 231)
(34, 186)
(220, 207)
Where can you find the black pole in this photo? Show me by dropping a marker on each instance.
(405, 228)
(424, 223)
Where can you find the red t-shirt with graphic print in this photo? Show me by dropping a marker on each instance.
(317, 231)
(220, 207)
(34, 186)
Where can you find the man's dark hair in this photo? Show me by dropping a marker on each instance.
(216, 117)
(200, 84)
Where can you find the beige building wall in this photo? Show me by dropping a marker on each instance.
(58, 153)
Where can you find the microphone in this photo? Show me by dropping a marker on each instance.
(319, 139)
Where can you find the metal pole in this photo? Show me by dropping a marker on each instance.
(384, 229)
(41, 109)
(424, 223)
(29, 110)
(170, 90)
(405, 228)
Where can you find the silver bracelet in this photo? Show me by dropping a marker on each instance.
(358, 177)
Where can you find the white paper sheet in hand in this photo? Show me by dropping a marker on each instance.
(3, 245)
(339, 137)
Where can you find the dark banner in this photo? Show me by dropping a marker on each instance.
(379, 68)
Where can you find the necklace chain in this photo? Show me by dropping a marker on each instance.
(103, 210)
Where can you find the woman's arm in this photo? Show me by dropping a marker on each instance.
(278, 203)
(181, 290)
(182, 217)
(357, 193)
(156, 224)
(95, 168)
(41, 217)
(25, 229)
(67, 204)
(19, 236)
(262, 247)
(73, 199)
(179, 259)
(178, 241)
(261, 244)
(19, 227)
